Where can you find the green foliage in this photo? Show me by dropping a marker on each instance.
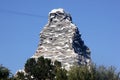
(44, 69)
(4, 73)
(61, 74)
(93, 73)
(29, 66)
(19, 76)
(40, 69)
(80, 73)
(57, 64)
(103, 73)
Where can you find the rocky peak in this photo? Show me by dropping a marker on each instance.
(60, 40)
(59, 15)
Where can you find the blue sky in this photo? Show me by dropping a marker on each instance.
(22, 20)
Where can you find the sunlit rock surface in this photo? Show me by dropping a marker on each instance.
(60, 40)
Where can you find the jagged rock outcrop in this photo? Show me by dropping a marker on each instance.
(60, 40)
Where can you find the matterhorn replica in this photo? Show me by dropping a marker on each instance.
(60, 40)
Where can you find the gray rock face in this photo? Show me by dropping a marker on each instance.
(60, 40)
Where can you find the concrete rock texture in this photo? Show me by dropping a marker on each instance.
(60, 40)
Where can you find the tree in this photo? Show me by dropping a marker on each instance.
(94, 73)
(39, 69)
(4, 73)
(106, 73)
(43, 68)
(60, 73)
(79, 73)
(19, 76)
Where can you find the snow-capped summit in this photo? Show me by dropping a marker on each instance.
(60, 40)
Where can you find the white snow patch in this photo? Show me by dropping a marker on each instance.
(57, 10)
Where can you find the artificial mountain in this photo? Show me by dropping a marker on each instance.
(61, 40)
